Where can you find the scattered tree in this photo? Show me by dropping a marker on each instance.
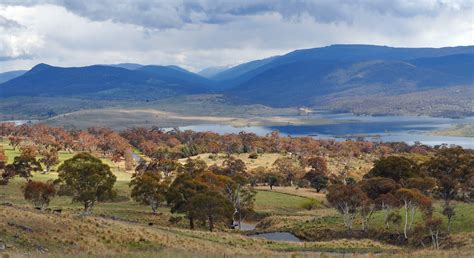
(87, 179)
(149, 189)
(210, 206)
(49, 159)
(346, 199)
(39, 193)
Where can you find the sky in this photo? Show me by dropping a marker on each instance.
(206, 33)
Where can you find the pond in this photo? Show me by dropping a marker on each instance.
(278, 236)
(407, 129)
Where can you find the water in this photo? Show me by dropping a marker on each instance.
(278, 236)
(407, 129)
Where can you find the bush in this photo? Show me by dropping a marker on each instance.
(39, 193)
(213, 157)
(253, 156)
(310, 204)
(175, 219)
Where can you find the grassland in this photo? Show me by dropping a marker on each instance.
(463, 130)
(171, 112)
(122, 227)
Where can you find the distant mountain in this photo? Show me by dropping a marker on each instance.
(129, 66)
(6, 76)
(102, 82)
(305, 77)
(459, 64)
(236, 74)
(210, 72)
(179, 75)
(354, 78)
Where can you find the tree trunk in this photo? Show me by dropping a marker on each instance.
(449, 223)
(191, 223)
(413, 211)
(211, 223)
(406, 221)
(88, 207)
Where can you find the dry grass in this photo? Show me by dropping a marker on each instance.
(264, 160)
(30, 232)
(303, 192)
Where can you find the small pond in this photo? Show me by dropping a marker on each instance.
(278, 236)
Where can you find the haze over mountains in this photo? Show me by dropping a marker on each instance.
(340, 77)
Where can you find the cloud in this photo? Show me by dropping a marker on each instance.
(16, 42)
(175, 14)
(201, 33)
(7, 23)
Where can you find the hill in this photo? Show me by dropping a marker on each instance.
(103, 83)
(351, 78)
(315, 76)
(6, 76)
(210, 72)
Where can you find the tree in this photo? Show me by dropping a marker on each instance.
(346, 199)
(4, 178)
(149, 189)
(39, 193)
(319, 181)
(22, 166)
(387, 202)
(318, 164)
(394, 167)
(233, 167)
(87, 179)
(424, 184)
(50, 158)
(272, 180)
(29, 151)
(193, 167)
(453, 169)
(14, 141)
(128, 156)
(241, 196)
(288, 169)
(3, 158)
(210, 206)
(181, 191)
(411, 199)
(434, 226)
(165, 166)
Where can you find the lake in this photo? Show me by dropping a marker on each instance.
(407, 129)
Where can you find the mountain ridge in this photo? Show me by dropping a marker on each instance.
(307, 77)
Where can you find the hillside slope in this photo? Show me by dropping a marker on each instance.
(6, 76)
(314, 76)
(102, 82)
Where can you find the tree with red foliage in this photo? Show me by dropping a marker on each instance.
(50, 158)
(39, 193)
(347, 199)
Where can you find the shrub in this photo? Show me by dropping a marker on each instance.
(310, 204)
(39, 193)
(253, 156)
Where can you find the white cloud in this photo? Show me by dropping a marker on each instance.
(197, 34)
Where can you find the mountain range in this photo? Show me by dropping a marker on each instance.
(318, 77)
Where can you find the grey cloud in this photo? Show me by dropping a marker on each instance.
(21, 57)
(8, 24)
(175, 14)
